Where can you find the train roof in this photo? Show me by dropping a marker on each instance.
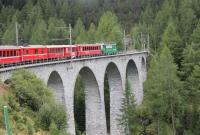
(88, 44)
(59, 46)
(10, 47)
(34, 46)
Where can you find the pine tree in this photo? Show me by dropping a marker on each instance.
(26, 32)
(187, 20)
(166, 12)
(173, 41)
(195, 37)
(9, 36)
(39, 33)
(91, 33)
(162, 92)
(109, 30)
(79, 32)
(57, 32)
(48, 8)
(128, 109)
(191, 54)
(64, 11)
(191, 118)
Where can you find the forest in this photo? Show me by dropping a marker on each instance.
(171, 103)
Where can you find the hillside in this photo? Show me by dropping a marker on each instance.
(25, 118)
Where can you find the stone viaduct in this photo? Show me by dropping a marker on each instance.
(61, 77)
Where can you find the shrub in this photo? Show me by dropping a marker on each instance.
(30, 128)
(28, 89)
(52, 112)
(53, 129)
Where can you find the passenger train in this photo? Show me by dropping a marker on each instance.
(13, 55)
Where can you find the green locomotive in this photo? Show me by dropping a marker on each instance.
(109, 48)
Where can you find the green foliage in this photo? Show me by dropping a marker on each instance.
(195, 37)
(171, 39)
(191, 57)
(136, 36)
(79, 32)
(79, 106)
(28, 90)
(57, 32)
(187, 18)
(162, 17)
(39, 33)
(109, 30)
(128, 109)
(53, 129)
(52, 112)
(30, 128)
(162, 91)
(9, 36)
(92, 33)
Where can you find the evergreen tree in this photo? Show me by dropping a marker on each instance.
(186, 21)
(136, 36)
(162, 93)
(48, 9)
(166, 12)
(191, 54)
(192, 93)
(26, 32)
(26, 11)
(64, 11)
(39, 33)
(9, 36)
(91, 33)
(173, 41)
(57, 33)
(195, 37)
(128, 109)
(109, 30)
(79, 32)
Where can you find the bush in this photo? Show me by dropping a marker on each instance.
(30, 128)
(53, 129)
(28, 89)
(52, 112)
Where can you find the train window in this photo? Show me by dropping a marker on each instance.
(11, 53)
(42, 50)
(7, 54)
(27, 51)
(0, 54)
(36, 51)
(14, 53)
(73, 49)
(4, 53)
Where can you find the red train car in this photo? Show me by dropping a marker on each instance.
(10, 55)
(61, 51)
(34, 53)
(88, 50)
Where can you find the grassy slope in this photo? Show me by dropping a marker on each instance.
(19, 116)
